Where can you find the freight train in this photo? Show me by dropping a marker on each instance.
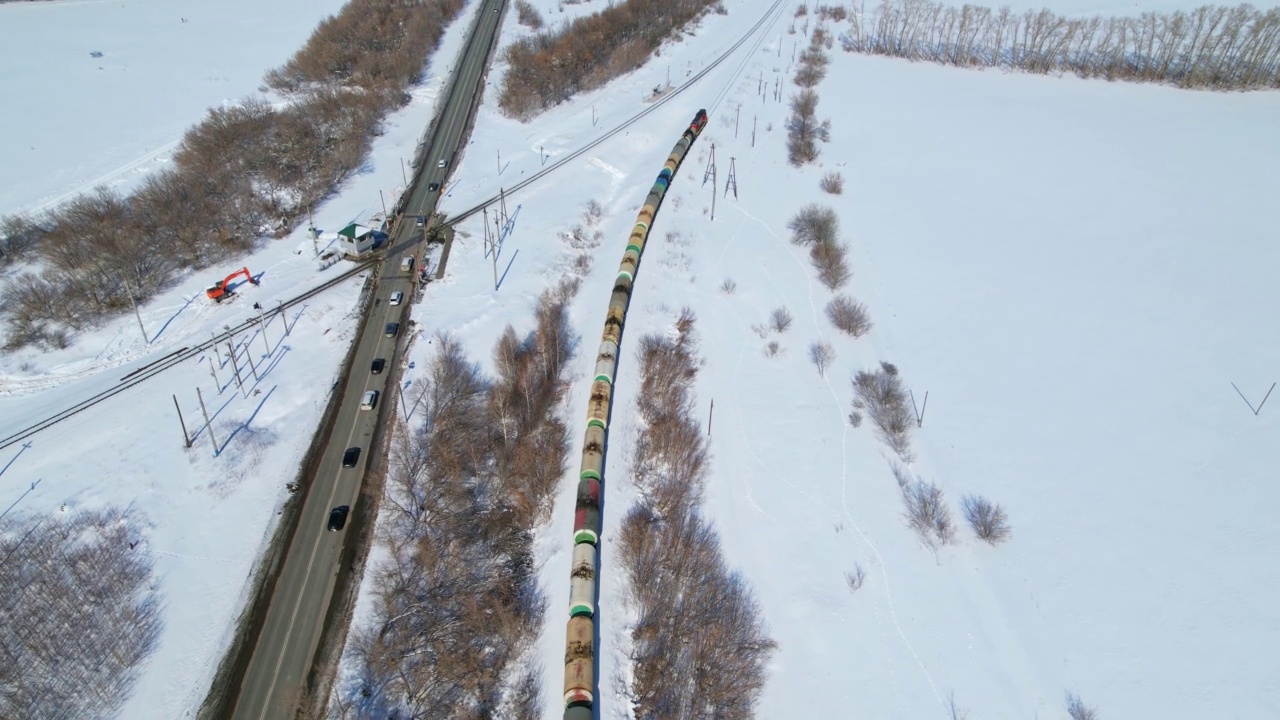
(579, 653)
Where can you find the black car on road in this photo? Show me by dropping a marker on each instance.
(338, 517)
(378, 365)
(350, 457)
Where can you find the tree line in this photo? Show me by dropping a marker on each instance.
(456, 603)
(699, 644)
(548, 68)
(248, 171)
(1211, 47)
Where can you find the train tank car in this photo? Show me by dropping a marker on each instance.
(579, 656)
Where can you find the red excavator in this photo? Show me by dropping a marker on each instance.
(220, 291)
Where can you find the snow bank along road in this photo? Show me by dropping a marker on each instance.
(282, 654)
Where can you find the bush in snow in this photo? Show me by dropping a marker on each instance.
(528, 15)
(987, 519)
(1077, 710)
(832, 182)
(881, 395)
(821, 354)
(926, 513)
(849, 315)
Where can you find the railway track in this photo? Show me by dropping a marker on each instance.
(173, 359)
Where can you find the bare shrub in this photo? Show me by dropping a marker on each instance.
(849, 315)
(593, 212)
(832, 182)
(836, 13)
(728, 286)
(821, 354)
(988, 519)
(881, 395)
(780, 319)
(830, 260)
(18, 233)
(80, 613)
(528, 15)
(954, 711)
(855, 418)
(1077, 710)
(772, 349)
(804, 130)
(855, 577)
(814, 224)
(547, 69)
(927, 514)
(801, 11)
(696, 619)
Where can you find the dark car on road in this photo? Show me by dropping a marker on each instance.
(391, 329)
(338, 517)
(378, 365)
(350, 457)
(433, 187)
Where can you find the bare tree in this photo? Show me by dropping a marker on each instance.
(855, 577)
(927, 514)
(728, 286)
(1077, 710)
(832, 182)
(780, 319)
(528, 15)
(821, 354)
(80, 612)
(881, 394)
(696, 619)
(804, 130)
(849, 315)
(987, 519)
(814, 224)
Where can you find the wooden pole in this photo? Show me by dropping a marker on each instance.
(216, 382)
(231, 353)
(710, 415)
(207, 425)
(262, 327)
(403, 175)
(248, 355)
(186, 439)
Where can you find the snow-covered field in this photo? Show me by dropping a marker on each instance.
(1075, 271)
(75, 121)
(209, 517)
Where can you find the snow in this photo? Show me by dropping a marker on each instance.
(209, 517)
(76, 121)
(1076, 271)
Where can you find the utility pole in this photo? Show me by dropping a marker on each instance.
(541, 155)
(404, 175)
(231, 353)
(186, 439)
(283, 319)
(732, 180)
(499, 161)
(216, 382)
(488, 242)
(403, 406)
(315, 234)
(136, 314)
(753, 131)
(207, 425)
(593, 116)
(262, 328)
(384, 204)
(713, 192)
(736, 116)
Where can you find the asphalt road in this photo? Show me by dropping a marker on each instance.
(287, 645)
